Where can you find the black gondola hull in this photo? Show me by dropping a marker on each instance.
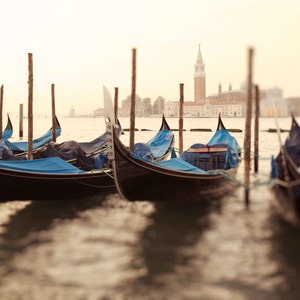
(287, 176)
(140, 180)
(17, 185)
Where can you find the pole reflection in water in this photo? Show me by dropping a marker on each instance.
(166, 244)
(285, 249)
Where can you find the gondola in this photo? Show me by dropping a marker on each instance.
(286, 175)
(50, 179)
(8, 131)
(84, 155)
(175, 178)
(93, 154)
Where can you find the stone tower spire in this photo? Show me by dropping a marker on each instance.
(199, 79)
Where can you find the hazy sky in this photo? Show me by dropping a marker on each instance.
(80, 45)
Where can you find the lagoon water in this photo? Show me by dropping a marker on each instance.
(105, 247)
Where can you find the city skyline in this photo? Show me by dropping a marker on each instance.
(82, 45)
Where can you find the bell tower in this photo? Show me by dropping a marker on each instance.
(199, 79)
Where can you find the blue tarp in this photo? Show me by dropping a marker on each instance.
(101, 160)
(51, 165)
(185, 162)
(179, 165)
(23, 146)
(143, 150)
(221, 139)
(7, 133)
(175, 163)
(4, 147)
(156, 147)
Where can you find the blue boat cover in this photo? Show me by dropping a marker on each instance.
(221, 139)
(96, 144)
(4, 147)
(222, 136)
(179, 165)
(7, 133)
(36, 143)
(51, 165)
(175, 163)
(156, 147)
(101, 160)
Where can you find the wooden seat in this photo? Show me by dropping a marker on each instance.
(210, 163)
(215, 159)
(202, 163)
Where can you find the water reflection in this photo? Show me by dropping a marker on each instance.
(167, 245)
(25, 228)
(285, 251)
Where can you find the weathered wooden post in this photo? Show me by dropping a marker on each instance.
(30, 101)
(256, 130)
(132, 107)
(21, 117)
(180, 128)
(53, 112)
(247, 137)
(116, 105)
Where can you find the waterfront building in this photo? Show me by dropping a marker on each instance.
(171, 108)
(229, 103)
(199, 80)
(294, 105)
(272, 103)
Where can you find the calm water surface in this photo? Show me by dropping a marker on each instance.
(104, 247)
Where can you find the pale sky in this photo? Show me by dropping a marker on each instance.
(81, 45)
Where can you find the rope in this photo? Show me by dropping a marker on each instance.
(107, 172)
(229, 177)
(240, 183)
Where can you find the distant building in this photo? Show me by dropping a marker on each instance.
(199, 80)
(192, 109)
(72, 111)
(98, 112)
(229, 103)
(171, 108)
(294, 105)
(126, 107)
(272, 103)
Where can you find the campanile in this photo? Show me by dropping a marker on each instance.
(199, 79)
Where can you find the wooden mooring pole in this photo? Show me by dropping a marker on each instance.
(21, 118)
(132, 107)
(116, 104)
(53, 112)
(30, 100)
(256, 130)
(180, 128)
(247, 137)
